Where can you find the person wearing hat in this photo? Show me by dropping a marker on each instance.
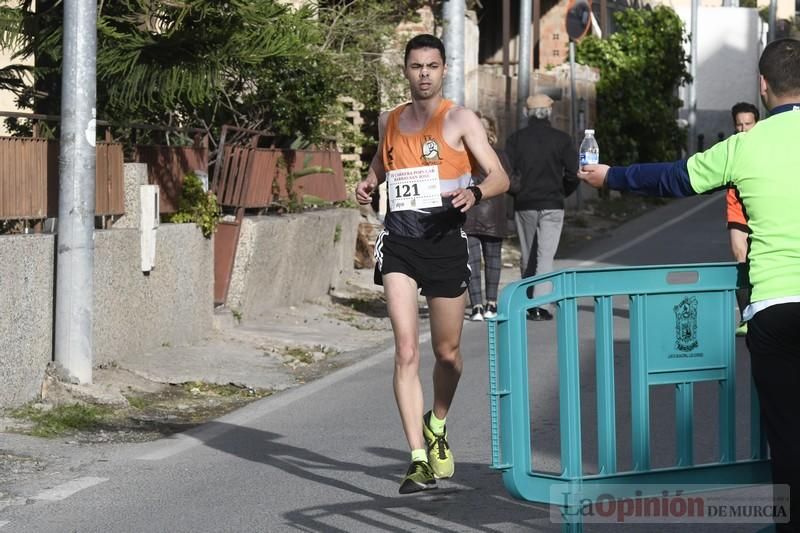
(546, 161)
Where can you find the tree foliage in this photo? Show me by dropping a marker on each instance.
(256, 64)
(641, 67)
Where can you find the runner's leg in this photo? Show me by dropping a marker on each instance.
(446, 318)
(401, 302)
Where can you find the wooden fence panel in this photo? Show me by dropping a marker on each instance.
(109, 180)
(167, 166)
(29, 179)
(23, 178)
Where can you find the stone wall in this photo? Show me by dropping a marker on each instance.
(556, 80)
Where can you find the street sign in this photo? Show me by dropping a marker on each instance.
(579, 19)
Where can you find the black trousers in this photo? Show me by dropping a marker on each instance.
(773, 338)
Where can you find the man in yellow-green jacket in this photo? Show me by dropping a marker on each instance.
(764, 165)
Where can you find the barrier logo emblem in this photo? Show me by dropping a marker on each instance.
(686, 324)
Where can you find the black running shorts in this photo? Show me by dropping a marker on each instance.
(439, 265)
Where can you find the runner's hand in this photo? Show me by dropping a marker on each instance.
(364, 191)
(463, 199)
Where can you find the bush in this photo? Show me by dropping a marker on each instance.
(197, 206)
(641, 67)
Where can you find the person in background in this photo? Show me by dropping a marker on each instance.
(546, 160)
(745, 116)
(485, 228)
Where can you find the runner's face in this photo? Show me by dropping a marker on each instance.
(425, 71)
(744, 121)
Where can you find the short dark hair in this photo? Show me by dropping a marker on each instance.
(780, 66)
(744, 107)
(424, 40)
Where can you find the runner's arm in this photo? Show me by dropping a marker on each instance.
(475, 140)
(376, 173)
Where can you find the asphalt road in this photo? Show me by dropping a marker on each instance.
(329, 456)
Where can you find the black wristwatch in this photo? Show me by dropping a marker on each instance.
(476, 192)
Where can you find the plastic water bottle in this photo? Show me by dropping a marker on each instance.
(589, 152)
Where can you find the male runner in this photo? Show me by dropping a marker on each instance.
(428, 152)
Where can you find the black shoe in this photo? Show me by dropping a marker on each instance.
(477, 314)
(538, 314)
(419, 477)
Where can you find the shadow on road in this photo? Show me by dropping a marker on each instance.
(474, 501)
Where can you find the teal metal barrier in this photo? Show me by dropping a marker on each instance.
(681, 333)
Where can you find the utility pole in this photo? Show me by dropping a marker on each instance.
(453, 13)
(692, 97)
(524, 65)
(507, 59)
(76, 196)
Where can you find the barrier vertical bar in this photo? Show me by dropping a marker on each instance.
(606, 404)
(569, 382)
(640, 394)
(493, 407)
(684, 416)
(727, 391)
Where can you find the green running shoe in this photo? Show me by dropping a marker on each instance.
(418, 478)
(439, 454)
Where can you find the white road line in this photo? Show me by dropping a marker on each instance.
(185, 441)
(65, 490)
(646, 235)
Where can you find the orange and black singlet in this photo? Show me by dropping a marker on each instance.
(422, 148)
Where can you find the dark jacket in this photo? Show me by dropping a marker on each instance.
(546, 162)
(488, 218)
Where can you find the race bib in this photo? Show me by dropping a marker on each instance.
(414, 188)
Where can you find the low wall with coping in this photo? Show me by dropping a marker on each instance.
(283, 260)
(133, 312)
(280, 261)
(26, 322)
(173, 304)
